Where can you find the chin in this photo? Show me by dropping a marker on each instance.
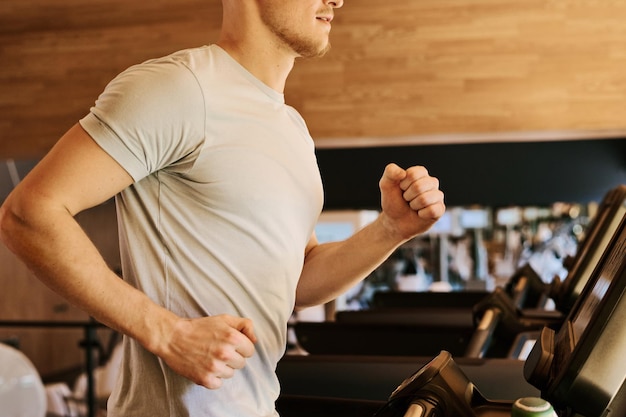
(314, 53)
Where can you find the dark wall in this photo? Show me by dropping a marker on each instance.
(492, 174)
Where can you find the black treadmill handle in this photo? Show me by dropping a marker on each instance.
(481, 338)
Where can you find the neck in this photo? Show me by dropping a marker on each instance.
(268, 65)
(250, 43)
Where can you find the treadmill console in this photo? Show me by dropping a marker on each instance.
(612, 209)
(441, 389)
(581, 369)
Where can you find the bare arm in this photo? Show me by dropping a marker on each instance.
(37, 224)
(411, 203)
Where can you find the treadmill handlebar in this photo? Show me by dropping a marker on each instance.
(482, 336)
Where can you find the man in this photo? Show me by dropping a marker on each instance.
(218, 192)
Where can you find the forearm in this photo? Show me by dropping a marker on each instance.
(411, 203)
(52, 244)
(333, 268)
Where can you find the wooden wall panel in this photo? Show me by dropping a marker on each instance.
(409, 67)
(57, 56)
(397, 68)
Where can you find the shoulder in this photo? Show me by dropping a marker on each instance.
(171, 75)
(155, 108)
(165, 86)
(179, 79)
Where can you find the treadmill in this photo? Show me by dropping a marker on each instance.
(501, 324)
(579, 369)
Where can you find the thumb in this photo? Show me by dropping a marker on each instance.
(392, 176)
(245, 326)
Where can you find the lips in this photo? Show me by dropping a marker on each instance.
(325, 18)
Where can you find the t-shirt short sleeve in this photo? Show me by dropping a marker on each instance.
(150, 117)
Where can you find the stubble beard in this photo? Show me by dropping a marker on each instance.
(303, 46)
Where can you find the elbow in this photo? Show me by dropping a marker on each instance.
(17, 216)
(8, 222)
(4, 224)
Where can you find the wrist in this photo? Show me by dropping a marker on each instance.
(157, 329)
(389, 230)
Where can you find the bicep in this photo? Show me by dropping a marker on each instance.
(76, 174)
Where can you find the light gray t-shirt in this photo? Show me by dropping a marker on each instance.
(226, 196)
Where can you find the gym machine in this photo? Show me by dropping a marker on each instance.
(579, 368)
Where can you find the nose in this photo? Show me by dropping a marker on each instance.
(335, 4)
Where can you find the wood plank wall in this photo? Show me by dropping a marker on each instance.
(406, 67)
(57, 56)
(397, 68)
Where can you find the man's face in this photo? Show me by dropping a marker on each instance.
(303, 26)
